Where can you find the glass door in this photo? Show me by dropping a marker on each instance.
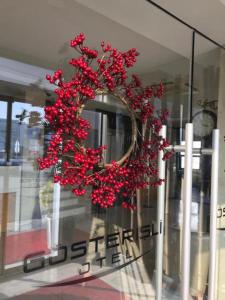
(20, 181)
(44, 228)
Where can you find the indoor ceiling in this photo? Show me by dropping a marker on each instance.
(208, 16)
(38, 32)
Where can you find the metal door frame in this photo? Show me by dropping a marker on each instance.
(187, 200)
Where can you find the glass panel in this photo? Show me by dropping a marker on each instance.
(111, 119)
(204, 118)
(25, 132)
(205, 90)
(175, 77)
(221, 203)
(20, 184)
(49, 236)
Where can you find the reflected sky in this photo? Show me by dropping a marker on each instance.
(3, 109)
(18, 108)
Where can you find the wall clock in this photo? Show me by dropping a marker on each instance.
(204, 122)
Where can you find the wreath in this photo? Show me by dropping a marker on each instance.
(103, 72)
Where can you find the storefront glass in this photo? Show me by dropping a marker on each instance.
(54, 245)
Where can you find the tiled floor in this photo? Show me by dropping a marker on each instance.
(129, 283)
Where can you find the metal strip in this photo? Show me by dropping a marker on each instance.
(181, 148)
(185, 23)
(54, 226)
(187, 198)
(160, 221)
(181, 123)
(191, 77)
(213, 217)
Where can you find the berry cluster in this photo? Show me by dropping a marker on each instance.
(81, 167)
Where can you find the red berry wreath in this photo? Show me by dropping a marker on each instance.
(80, 167)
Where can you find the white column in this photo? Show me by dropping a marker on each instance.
(160, 221)
(53, 223)
(213, 216)
(187, 199)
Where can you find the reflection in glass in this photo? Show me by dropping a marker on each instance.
(26, 130)
(3, 128)
(28, 211)
(111, 120)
